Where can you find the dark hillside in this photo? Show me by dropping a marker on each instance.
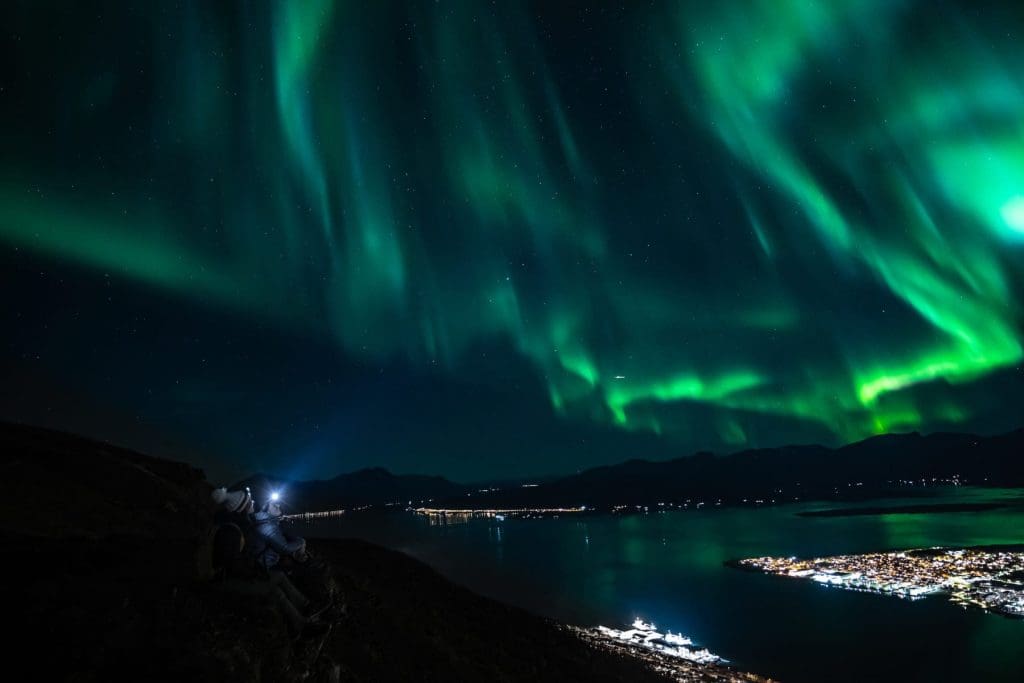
(106, 580)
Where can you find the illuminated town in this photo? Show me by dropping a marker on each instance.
(989, 578)
(310, 516)
(647, 636)
(459, 515)
(670, 653)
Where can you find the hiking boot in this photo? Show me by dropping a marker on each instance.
(336, 611)
(314, 629)
(313, 612)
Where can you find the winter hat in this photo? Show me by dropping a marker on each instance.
(234, 501)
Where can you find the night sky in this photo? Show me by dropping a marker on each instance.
(491, 239)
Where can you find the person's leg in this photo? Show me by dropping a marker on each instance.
(281, 580)
(271, 594)
(291, 612)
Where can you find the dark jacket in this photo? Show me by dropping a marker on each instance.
(266, 543)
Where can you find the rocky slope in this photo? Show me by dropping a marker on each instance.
(107, 579)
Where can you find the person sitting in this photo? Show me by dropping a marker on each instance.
(276, 550)
(235, 570)
(268, 542)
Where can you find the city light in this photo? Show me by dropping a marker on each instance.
(992, 579)
(448, 516)
(672, 654)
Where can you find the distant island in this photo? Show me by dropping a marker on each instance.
(932, 509)
(988, 577)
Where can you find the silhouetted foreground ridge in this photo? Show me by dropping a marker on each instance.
(108, 581)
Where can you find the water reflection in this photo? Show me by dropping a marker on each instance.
(669, 568)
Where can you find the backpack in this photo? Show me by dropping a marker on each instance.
(227, 549)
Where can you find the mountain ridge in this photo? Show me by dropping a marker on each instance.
(874, 463)
(786, 473)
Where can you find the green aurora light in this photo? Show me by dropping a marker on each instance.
(825, 210)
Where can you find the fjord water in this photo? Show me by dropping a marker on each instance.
(668, 568)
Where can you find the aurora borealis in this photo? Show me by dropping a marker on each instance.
(687, 224)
